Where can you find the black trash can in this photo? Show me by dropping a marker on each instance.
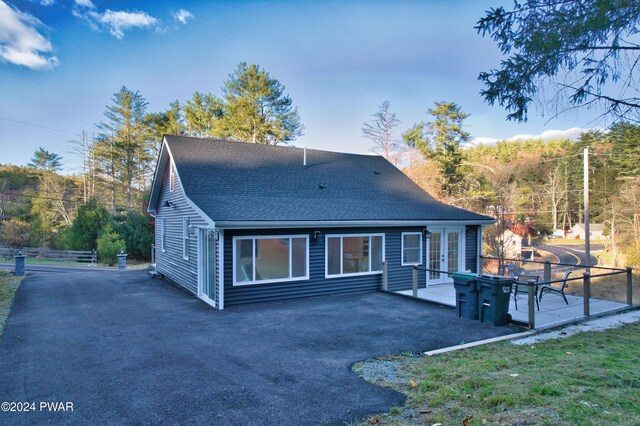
(466, 295)
(494, 293)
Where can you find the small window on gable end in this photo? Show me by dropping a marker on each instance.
(172, 177)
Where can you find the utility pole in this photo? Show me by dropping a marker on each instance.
(587, 237)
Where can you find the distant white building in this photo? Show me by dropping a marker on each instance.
(595, 231)
(512, 244)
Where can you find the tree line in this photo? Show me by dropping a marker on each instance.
(532, 187)
(104, 206)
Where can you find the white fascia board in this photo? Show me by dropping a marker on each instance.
(193, 205)
(158, 177)
(344, 224)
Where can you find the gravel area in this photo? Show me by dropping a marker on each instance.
(377, 371)
(599, 324)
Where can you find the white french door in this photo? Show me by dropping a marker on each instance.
(445, 253)
(207, 266)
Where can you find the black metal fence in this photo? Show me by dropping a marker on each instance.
(581, 282)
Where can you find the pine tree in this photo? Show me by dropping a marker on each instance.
(45, 160)
(125, 143)
(202, 115)
(256, 109)
(440, 140)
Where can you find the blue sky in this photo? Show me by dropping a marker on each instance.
(61, 61)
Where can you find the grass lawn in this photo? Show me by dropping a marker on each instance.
(612, 288)
(131, 264)
(55, 262)
(563, 241)
(591, 378)
(8, 287)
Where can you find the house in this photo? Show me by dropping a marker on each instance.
(240, 223)
(596, 231)
(512, 244)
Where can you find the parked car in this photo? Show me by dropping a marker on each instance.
(513, 270)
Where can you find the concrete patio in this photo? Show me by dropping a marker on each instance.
(553, 311)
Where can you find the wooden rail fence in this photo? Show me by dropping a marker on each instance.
(88, 256)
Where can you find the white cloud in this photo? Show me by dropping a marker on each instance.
(115, 21)
(182, 16)
(47, 2)
(482, 141)
(572, 133)
(85, 3)
(119, 21)
(20, 41)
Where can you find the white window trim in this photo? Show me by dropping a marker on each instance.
(185, 237)
(351, 274)
(269, 237)
(402, 249)
(163, 234)
(172, 177)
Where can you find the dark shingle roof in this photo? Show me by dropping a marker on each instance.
(235, 181)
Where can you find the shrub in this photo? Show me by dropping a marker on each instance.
(15, 233)
(136, 228)
(633, 256)
(109, 245)
(84, 231)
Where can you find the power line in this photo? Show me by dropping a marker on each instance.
(38, 125)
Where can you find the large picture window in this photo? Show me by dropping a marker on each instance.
(270, 259)
(411, 248)
(354, 254)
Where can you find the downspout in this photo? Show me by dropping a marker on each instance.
(479, 242)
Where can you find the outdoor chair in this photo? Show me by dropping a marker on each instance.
(557, 288)
(520, 286)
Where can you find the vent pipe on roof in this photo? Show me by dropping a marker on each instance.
(304, 158)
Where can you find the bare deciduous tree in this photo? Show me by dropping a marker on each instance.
(380, 131)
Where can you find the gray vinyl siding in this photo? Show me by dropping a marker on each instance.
(171, 263)
(399, 277)
(471, 248)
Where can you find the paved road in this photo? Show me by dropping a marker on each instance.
(127, 349)
(571, 255)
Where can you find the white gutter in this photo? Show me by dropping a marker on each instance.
(343, 224)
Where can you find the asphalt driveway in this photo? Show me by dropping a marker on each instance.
(124, 348)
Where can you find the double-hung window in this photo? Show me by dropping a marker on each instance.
(263, 259)
(354, 254)
(185, 238)
(411, 248)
